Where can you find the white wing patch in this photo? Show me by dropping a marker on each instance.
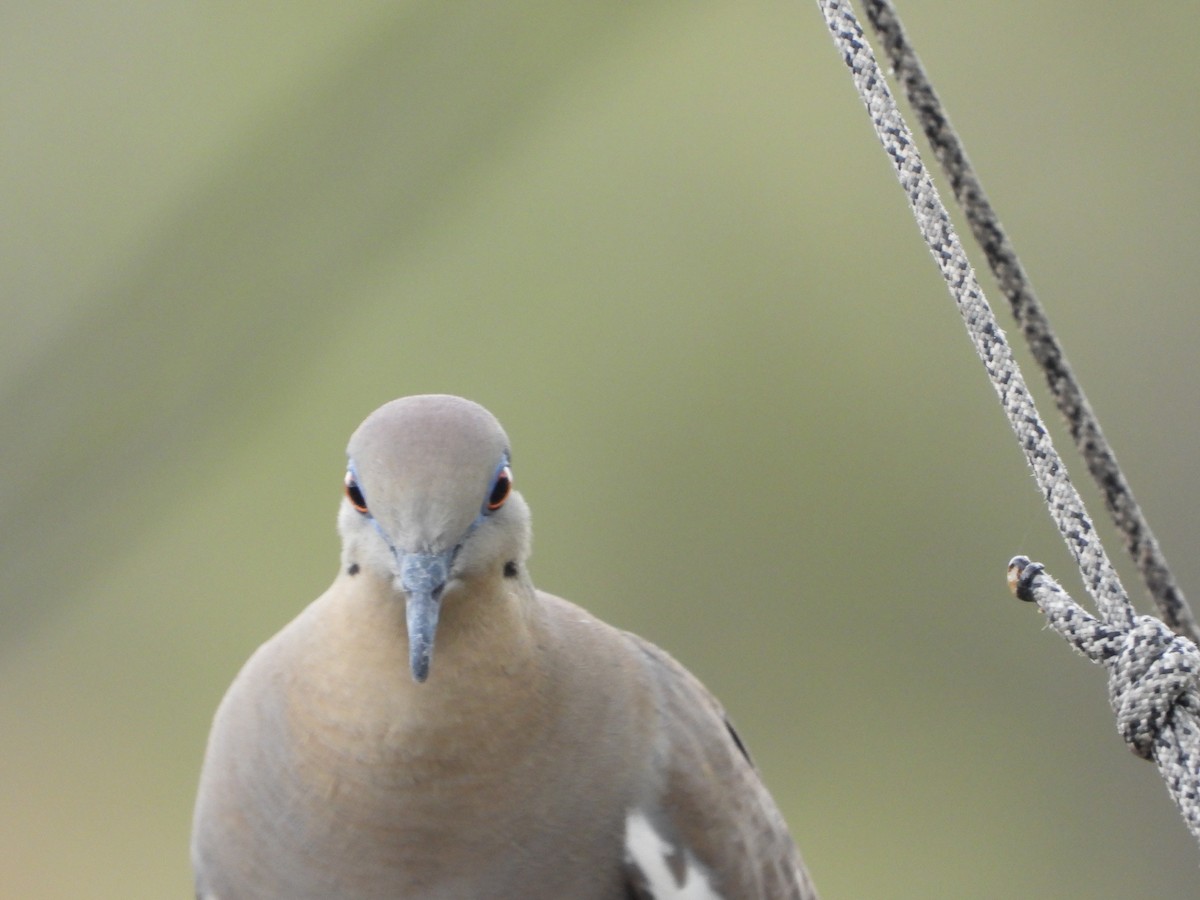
(646, 849)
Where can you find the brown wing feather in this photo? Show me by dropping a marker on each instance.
(713, 799)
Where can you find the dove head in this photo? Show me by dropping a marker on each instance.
(429, 505)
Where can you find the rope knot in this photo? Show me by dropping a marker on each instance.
(1151, 671)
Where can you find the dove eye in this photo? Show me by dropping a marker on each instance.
(355, 495)
(501, 488)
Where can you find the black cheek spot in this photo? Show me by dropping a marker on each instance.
(510, 569)
(352, 569)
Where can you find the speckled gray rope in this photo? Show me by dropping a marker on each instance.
(1002, 258)
(1066, 507)
(1153, 675)
(1152, 707)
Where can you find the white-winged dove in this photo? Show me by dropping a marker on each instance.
(542, 755)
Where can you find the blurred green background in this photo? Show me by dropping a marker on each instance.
(660, 242)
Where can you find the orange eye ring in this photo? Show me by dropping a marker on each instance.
(501, 488)
(354, 494)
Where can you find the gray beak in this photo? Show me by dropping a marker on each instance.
(423, 578)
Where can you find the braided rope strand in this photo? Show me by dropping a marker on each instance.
(1152, 672)
(1006, 266)
(1066, 506)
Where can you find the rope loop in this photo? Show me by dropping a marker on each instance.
(1152, 674)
